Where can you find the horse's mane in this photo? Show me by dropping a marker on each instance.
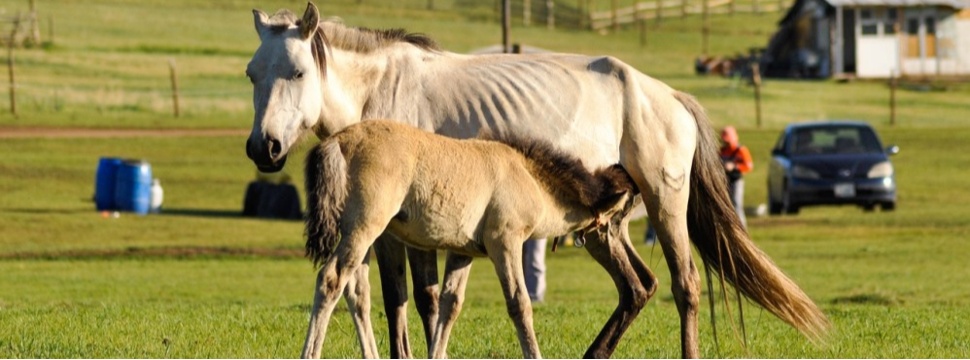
(364, 40)
(357, 39)
(564, 175)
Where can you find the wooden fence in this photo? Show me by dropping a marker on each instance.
(660, 9)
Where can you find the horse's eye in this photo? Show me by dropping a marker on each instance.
(298, 75)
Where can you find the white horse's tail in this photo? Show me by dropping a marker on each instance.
(724, 244)
(326, 189)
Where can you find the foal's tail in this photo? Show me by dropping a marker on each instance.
(326, 191)
(724, 244)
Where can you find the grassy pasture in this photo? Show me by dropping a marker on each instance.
(198, 281)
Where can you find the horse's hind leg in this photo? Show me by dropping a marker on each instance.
(357, 294)
(331, 280)
(424, 276)
(390, 255)
(634, 281)
(457, 268)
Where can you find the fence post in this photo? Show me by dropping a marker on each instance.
(580, 10)
(756, 80)
(175, 86)
(550, 14)
(683, 9)
(893, 82)
(659, 12)
(706, 27)
(614, 15)
(643, 31)
(506, 22)
(526, 12)
(13, 83)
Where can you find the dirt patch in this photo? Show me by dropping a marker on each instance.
(158, 252)
(47, 132)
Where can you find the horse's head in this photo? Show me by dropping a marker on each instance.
(617, 196)
(286, 73)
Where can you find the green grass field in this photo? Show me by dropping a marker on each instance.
(198, 281)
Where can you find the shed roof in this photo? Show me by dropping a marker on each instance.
(957, 4)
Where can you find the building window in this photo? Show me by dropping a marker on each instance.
(889, 26)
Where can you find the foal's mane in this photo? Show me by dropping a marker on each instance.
(564, 175)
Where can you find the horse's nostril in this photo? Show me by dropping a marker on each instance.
(274, 147)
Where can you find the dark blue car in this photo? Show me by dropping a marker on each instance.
(830, 163)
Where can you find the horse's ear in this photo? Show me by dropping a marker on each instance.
(311, 18)
(262, 22)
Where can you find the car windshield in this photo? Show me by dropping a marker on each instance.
(835, 140)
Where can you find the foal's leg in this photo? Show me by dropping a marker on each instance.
(506, 256)
(331, 280)
(391, 262)
(357, 294)
(634, 281)
(457, 268)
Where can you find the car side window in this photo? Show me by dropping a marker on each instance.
(780, 145)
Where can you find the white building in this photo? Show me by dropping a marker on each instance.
(872, 39)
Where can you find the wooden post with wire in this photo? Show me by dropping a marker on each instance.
(175, 86)
(756, 81)
(893, 82)
(10, 71)
(13, 83)
(506, 24)
(706, 27)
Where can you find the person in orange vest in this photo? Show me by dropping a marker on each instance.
(737, 162)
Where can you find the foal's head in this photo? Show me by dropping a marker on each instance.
(285, 72)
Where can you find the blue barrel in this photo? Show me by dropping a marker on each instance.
(105, 183)
(133, 191)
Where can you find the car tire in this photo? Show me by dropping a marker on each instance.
(888, 206)
(786, 204)
(774, 207)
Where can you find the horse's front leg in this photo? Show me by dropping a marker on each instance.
(457, 268)
(390, 255)
(357, 294)
(506, 256)
(634, 281)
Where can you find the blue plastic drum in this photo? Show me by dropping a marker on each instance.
(105, 183)
(134, 186)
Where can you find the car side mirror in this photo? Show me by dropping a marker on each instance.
(892, 150)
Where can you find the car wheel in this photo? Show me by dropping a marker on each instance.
(888, 206)
(787, 206)
(774, 206)
(869, 207)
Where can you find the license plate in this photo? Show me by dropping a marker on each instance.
(844, 190)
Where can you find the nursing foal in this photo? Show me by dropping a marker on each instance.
(470, 197)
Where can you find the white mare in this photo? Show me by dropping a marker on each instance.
(319, 77)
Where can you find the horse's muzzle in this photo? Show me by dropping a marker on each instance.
(268, 156)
